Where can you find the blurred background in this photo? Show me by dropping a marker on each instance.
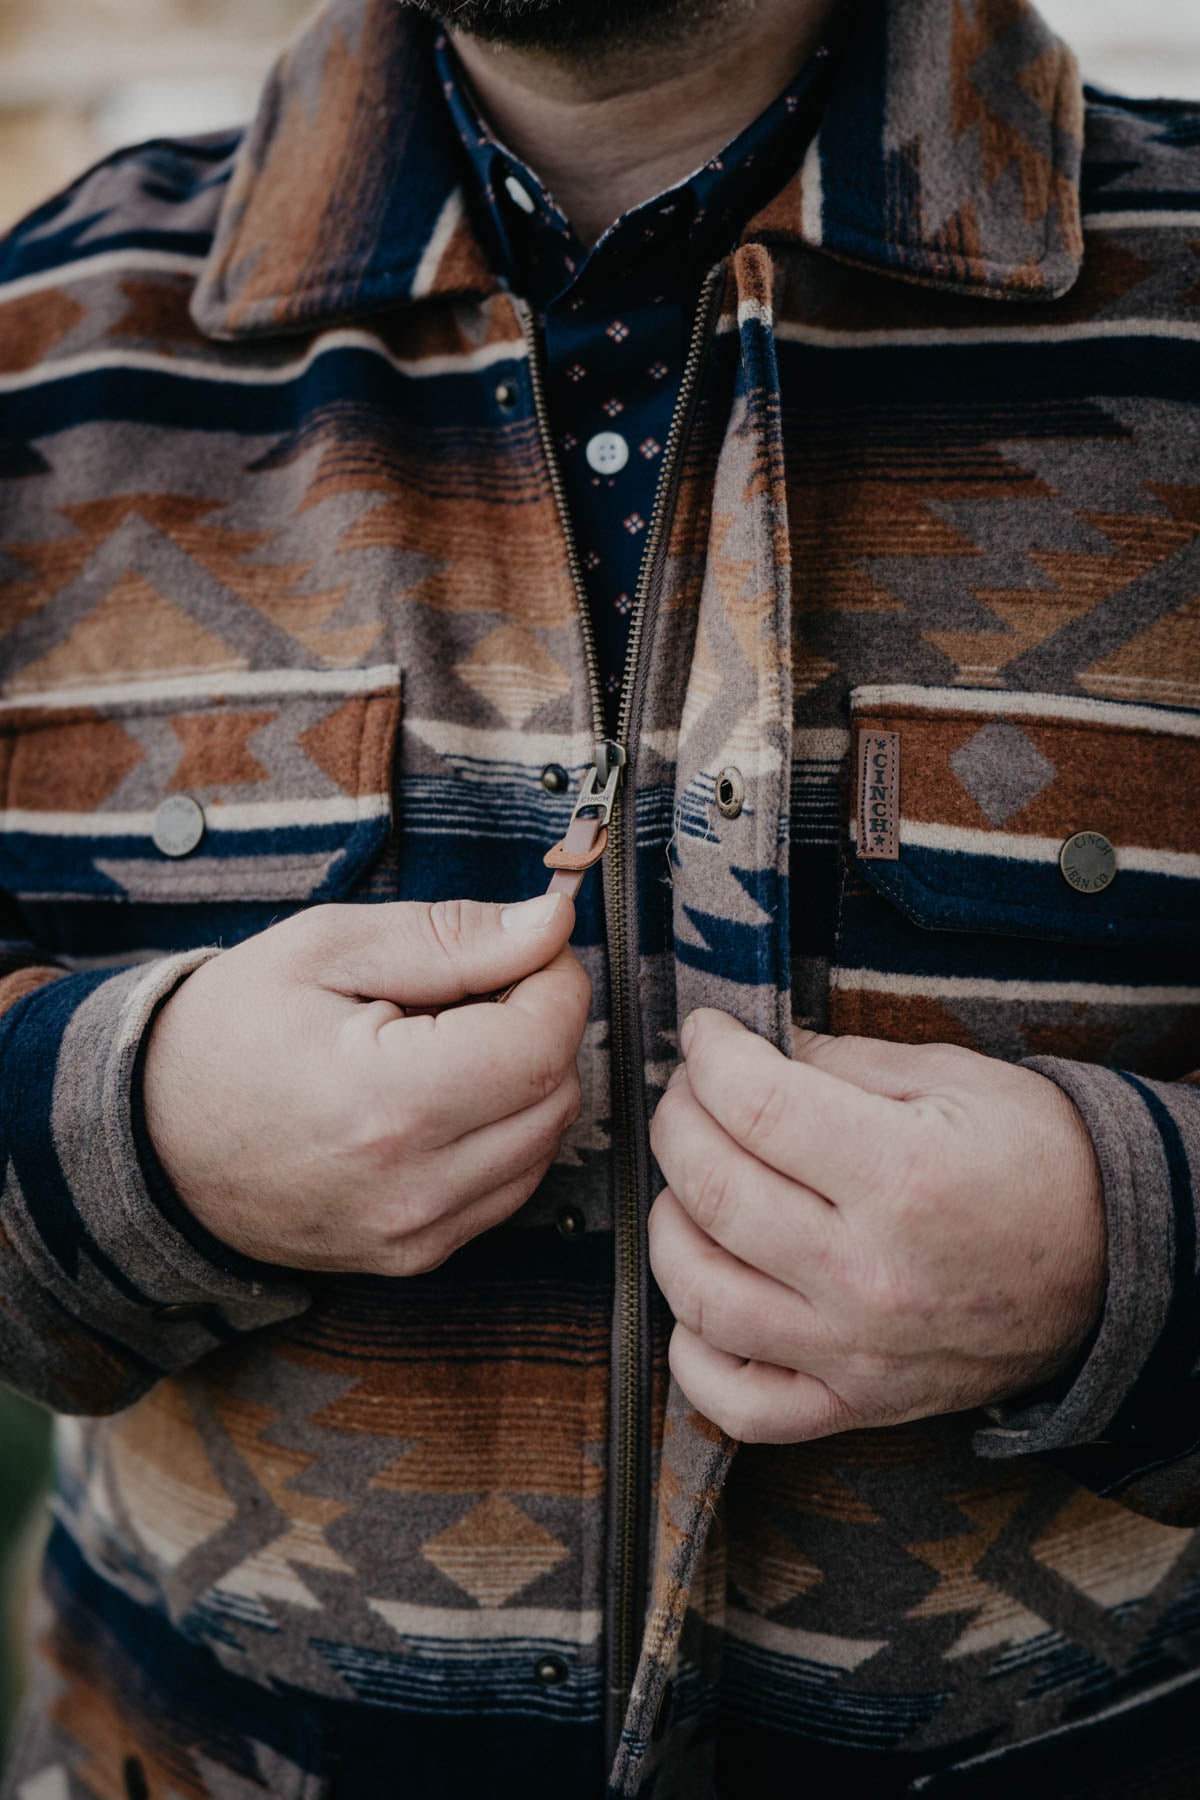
(80, 77)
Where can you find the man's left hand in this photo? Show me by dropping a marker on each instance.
(869, 1233)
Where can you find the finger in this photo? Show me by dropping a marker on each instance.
(755, 1402)
(487, 1160)
(732, 1306)
(423, 1251)
(803, 1121)
(759, 1216)
(898, 1071)
(418, 955)
(455, 1071)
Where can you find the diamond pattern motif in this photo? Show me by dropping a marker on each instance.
(1002, 770)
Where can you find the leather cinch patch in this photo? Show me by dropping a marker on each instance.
(879, 795)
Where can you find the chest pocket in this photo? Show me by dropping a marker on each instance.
(1024, 877)
(192, 808)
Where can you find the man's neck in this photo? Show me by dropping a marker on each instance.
(607, 135)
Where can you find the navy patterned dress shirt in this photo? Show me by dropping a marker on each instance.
(615, 321)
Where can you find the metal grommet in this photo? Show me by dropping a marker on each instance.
(555, 779)
(1088, 862)
(506, 395)
(551, 1671)
(731, 793)
(134, 1773)
(178, 825)
(662, 1717)
(570, 1222)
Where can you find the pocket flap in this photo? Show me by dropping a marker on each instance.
(968, 830)
(285, 778)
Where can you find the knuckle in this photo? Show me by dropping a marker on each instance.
(756, 1112)
(448, 926)
(712, 1194)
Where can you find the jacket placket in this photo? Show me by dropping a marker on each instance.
(729, 881)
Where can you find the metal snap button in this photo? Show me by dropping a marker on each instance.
(662, 1717)
(178, 825)
(555, 779)
(506, 395)
(551, 1671)
(731, 793)
(570, 1222)
(607, 453)
(1088, 862)
(136, 1785)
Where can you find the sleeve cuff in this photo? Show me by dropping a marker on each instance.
(80, 1208)
(1132, 1400)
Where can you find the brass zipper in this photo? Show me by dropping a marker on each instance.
(629, 1486)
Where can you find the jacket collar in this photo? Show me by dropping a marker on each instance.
(949, 155)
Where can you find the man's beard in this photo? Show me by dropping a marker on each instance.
(578, 27)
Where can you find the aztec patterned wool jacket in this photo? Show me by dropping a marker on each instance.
(277, 538)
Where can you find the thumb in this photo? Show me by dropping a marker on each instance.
(417, 955)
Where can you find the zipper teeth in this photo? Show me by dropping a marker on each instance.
(628, 1397)
(628, 1386)
(559, 490)
(637, 622)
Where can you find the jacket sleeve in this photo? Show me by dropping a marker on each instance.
(1128, 1423)
(106, 1284)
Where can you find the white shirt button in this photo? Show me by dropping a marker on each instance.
(518, 195)
(178, 825)
(607, 453)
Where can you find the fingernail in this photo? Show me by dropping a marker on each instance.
(687, 1032)
(531, 915)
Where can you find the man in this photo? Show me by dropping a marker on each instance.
(757, 444)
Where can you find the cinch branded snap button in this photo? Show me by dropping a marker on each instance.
(1088, 862)
(607, 453)
(519, 195)
(731, 793)
(551, 1671)
(178, 825)
(555, 779)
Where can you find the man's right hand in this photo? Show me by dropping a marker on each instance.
(314, 1108)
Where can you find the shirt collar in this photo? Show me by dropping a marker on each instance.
(675, 236)
(948, 154)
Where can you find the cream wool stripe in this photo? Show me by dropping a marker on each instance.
(449, 220)
(1142, 221)
(535, 1624)
(93, 268)
(225, 374)
(264, 815)
(1008, 847)
(981, 987)
(930, 701)
(236, 684)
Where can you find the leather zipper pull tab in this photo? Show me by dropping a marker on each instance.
(587, 835)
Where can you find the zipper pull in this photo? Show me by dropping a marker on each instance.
(587, 834)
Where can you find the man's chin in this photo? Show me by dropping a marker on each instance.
(580, 26)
